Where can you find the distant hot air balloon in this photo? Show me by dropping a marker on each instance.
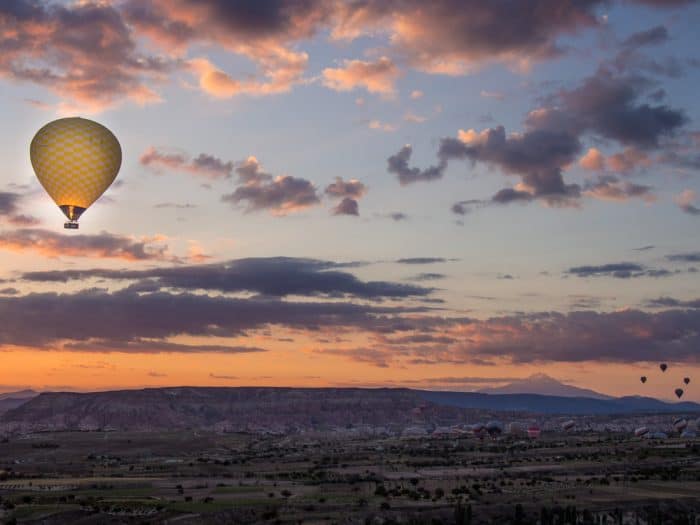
(679, 392)
(686, 380)
(680, 424)
(568, 425)
(663, 367)
(641, 431)
(643, 379)
(75, 160)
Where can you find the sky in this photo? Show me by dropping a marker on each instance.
(443, 195)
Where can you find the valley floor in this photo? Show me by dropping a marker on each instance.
(193, 477)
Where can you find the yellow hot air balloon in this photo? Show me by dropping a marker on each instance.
(75, 160)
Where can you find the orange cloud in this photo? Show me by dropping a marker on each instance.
(376, 77)
(593, 160)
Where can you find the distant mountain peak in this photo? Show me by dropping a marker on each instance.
(543, 384)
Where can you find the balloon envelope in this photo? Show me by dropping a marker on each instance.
(686, 380)
(679, 392)
(643, 379)
(75, 160)
(663, 367)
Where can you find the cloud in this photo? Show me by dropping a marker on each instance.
(103, 245)
(422, 260)
(283, 69)
(666, 302)
(95, 320)
(280, 195)
(689, 257)
(377, 77)
(621, 336)
(465, 207)
(273, 276)
(84, 52)
(416, 94)
(415, 119)
(622, 270)
(427, 276)
(97, 54)
(349, 193)
(204, 165)
(352, 188)
(175, 205)
(607, 104)
(649, 37)
(687, 201)
(221, 376)
(347, 206)
(150, 346)
(11, 210)
(381, 126)
(497, 95)
(398, 165)
(537, 156)
(612, 189)
(593, 160)
(453, 36)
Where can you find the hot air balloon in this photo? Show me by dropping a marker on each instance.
(663, 367)
(680, 424)
(641, 431)
(643, 379)
(75, 160)
(686, 380)
(679, 392)
(568, 425)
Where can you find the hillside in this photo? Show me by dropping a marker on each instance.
(296, 409)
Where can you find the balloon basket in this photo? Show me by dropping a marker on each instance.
(70, 225)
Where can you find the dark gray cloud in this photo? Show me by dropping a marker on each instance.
(274, 276)
(607, 104)
(670, 302)
(349, 192)
(154, 347)
(620, 336)
(398, 165)
(537, 156)
(102, 321)
(427, 276)
(421, 260)
(688, 257)
(11, 210)
(261, 191)
(347, 206)
(622, 270)
(649, 37)
(465, 207)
